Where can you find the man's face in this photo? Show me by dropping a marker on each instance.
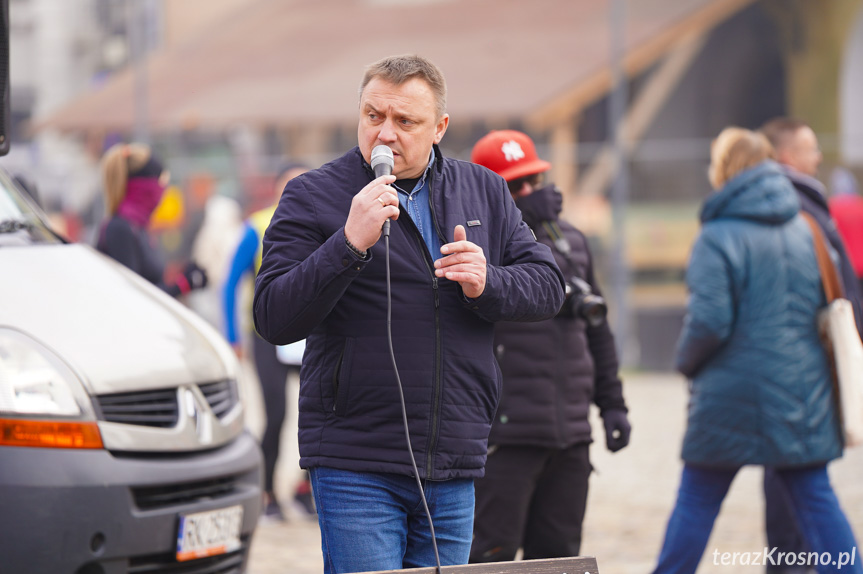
(526, 185)
(801, 152)
(404, 118)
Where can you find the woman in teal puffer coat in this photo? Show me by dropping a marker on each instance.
(761, 389)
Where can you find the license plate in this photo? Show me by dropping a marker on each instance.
(209, 533)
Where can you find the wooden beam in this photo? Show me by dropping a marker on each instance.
(574, 565)
(635, 61)
(641, 113)
(564, 156)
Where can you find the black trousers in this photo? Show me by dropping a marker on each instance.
(531, 498)
(780, 522)
(273, 375)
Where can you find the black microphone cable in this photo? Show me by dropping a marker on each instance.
(386, 232)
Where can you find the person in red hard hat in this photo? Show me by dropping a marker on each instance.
(534, 492)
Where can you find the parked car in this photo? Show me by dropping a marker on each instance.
(122, 442)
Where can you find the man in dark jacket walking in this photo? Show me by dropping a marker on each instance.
(798, 153)
(534, 492)
(460, 258)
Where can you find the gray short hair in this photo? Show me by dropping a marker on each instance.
(400, 69)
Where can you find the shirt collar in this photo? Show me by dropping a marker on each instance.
(422, 180)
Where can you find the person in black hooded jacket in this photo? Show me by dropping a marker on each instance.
(534, 492)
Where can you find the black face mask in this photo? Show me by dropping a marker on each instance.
(544, 204)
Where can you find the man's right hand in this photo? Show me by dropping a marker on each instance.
(374, 204)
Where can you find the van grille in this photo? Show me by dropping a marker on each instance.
(146, 408)
(159, 408)
(221, 396)
(150, 497)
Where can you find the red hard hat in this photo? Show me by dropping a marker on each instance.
(509, 153)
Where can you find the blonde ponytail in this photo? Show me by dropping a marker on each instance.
(735, 150)
(117, 162)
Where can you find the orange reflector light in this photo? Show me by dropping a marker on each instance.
(49, 434)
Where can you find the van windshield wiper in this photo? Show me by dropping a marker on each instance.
(13, 225)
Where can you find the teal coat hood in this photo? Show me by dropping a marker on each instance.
(762, 193)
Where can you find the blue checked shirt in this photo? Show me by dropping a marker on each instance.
(416, 203)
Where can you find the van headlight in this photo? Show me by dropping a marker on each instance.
(42, 401)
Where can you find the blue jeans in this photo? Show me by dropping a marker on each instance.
(376, 521)
(816, 508)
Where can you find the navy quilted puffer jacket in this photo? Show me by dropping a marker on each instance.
(761, 390)
(311, 286)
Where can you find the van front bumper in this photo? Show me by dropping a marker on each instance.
(97, 512)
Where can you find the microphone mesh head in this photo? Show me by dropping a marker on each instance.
(382, 155)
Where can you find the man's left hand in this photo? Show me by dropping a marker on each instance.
(463, 262)
(617, 429)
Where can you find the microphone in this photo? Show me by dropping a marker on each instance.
(382, 164)
(382, 160)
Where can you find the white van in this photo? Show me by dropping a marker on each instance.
(122, 443)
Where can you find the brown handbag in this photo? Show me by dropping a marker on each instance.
(841, 341)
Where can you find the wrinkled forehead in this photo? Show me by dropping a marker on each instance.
(413, 94)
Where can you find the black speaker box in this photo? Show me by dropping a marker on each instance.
(4, 77)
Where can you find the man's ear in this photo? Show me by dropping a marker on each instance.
(440, 128)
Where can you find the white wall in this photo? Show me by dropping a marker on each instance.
(22, 50)
(851, 97)
(66, 51)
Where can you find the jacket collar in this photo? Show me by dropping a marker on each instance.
(807, 185)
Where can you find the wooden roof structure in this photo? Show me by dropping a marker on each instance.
(300, 62)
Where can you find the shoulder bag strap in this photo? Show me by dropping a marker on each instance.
(829, 276)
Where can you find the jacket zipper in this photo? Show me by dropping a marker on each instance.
(559, 375)
(429, 263)
(437, 330)
(433, 435)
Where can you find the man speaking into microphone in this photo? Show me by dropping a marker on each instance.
(460, 258)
